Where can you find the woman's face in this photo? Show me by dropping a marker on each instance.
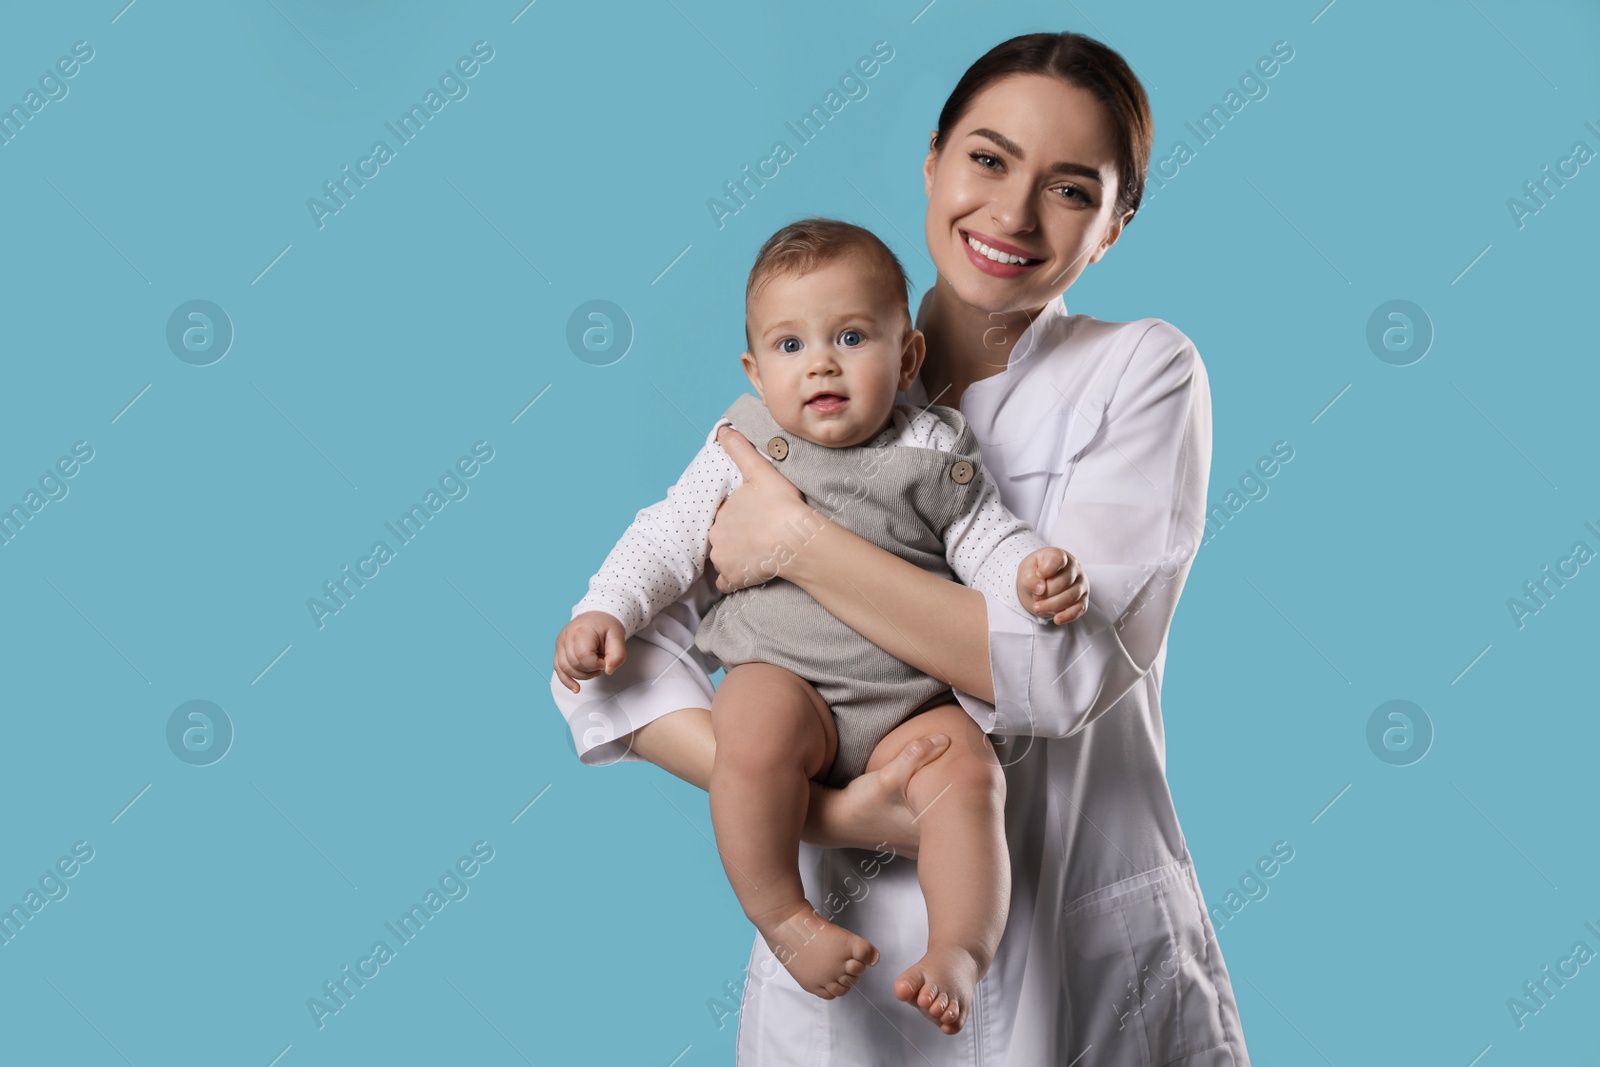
(1029, 172)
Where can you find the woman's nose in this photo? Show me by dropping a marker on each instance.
(1012, 208)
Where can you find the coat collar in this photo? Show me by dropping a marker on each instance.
(1037, 339)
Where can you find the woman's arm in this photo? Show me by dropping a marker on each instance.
(938, 626)
(766, 529)
(1132, 514)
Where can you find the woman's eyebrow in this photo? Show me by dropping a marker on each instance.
(1077, 169)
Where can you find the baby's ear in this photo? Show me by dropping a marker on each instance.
(752, 370)
(911, 357)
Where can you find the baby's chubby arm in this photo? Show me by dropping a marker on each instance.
(991, 549)
(651, 566)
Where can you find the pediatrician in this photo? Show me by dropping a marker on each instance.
(1099, 434)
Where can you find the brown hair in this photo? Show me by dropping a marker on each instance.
(1080, 61)
(811, 243)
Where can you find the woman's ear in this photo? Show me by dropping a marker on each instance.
(916, 346)
(1112, 233)
(927, 166)
(752, 370)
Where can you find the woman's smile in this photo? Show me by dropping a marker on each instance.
(993, 256)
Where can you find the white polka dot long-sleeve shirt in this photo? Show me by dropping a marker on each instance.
(665, 549)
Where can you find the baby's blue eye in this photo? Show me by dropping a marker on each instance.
(850, 338)
(789, 344)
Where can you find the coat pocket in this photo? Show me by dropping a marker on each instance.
(1140, 982)
(1048, 443)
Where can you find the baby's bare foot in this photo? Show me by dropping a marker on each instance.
(940, 984)
(825, 959)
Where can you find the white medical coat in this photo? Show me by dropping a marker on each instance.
(1099, 434)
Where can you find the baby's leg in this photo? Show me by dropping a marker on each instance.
(962, 862)
(773, 733)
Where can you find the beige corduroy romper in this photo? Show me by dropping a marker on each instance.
(899, 497)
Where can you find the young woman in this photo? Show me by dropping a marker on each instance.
(1099, 434)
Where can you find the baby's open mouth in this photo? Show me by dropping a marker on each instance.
(827, 402)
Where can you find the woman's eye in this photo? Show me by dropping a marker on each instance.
(1070, 191)
(789, 344)
(850, 338)
(984, 159)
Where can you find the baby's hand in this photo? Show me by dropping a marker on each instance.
(1050, 582)
(590, 643)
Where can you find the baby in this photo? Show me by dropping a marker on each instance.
(830, 342)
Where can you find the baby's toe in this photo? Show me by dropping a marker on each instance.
(864, 951)
(842, 984)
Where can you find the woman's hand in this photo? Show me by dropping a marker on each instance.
(872, 811)
(751, 535)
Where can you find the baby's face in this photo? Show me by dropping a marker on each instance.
(831, 349)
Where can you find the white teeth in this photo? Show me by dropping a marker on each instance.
(990, 253)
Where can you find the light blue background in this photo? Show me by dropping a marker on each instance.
(427, 314)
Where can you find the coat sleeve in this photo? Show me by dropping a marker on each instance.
(1133, 513)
